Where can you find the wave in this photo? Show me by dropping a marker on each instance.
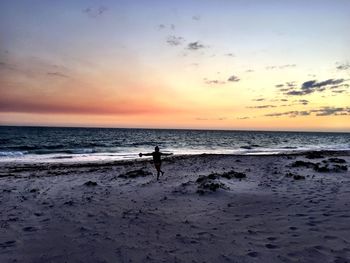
(12, 154)
(146, 144)
(65, 151)
(247, 147)
(81, 151)
(289, 147)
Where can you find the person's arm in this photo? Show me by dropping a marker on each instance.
(145, 154)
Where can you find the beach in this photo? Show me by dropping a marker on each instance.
(206, 208)
(175, 131)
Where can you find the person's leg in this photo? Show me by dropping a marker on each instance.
(158, 170)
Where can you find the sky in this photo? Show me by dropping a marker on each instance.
(203, 64)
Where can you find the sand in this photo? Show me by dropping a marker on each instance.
(281, 211)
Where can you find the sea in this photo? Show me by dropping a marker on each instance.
(53, 144)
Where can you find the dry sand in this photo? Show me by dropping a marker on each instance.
(101, 213)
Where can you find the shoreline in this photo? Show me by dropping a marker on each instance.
(77, 164)
(206, 208)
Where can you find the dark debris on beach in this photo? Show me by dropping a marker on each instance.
(90, 183)
(330, 165)
(212, 183)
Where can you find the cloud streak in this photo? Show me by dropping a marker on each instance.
(57, 74)
(312, 86)
(174, 41)
(210, 119)
(324, 111)
(344, 66)
(233, 78)
(195, 46)
(95, 12)
(262, 107)
(214, 81)
(281, 66)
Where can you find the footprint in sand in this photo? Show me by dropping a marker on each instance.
(341, 260)
(318, 247)
(272, 238)
(38, 214)
(330, 237)
(344, 216)
(300, 215)
(7, 244)
(29, 229)
(253, 254)
(271, 246)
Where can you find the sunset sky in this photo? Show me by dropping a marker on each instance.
(226, 64)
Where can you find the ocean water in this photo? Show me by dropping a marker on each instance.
(49, 144)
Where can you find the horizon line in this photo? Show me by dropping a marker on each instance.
(159, 128)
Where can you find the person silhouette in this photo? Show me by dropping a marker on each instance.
(156, 159)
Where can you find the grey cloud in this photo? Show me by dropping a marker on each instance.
(339, 91)
(57, 74)
(327, 111)
(260, 99)
(291, 84)
(262, 107)
(230, 55)
(313, 86)
(288, 113)
(344, 66)
(340, 86)
(174, 40)
(324, 111)
(233, 78)
(304, 102)
(210, 119)
(196, 17)
(249, 71)
(286, 86)
(288, 66)
(161, 26)
(295, 93)
(95, 12)
(195, 46)
(281, 66)
(214, 81)
(285, 89)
